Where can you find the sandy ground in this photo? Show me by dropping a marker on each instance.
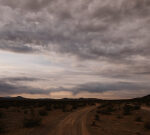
(74, 124)
(56, 123)
(145, 108)
(79, 122)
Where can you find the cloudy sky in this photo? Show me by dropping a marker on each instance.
(75, 48)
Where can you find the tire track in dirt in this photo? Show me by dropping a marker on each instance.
(74, 124)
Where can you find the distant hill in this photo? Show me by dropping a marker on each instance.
(146, 97)
(143, 99)
(12, 98)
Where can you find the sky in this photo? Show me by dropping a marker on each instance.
(75, 48)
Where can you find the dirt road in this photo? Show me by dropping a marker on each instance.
(145, 108)
(74, 124)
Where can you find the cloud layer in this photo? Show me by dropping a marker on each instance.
(93, 42)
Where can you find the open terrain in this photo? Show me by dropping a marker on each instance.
(19, 116)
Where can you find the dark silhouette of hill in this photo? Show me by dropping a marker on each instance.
(6, 102)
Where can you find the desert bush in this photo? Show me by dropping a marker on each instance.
(136, 107)
(147, 125)
(98, 111)
(1, 114)
(138, 119)
(56, 106)
(93, 123)
(67, 109)
(18, 110)
(2, 128)
(31, 122)
(48, 107)
(64, 110)
(127, 109)
(119, 116)
(25, 111)
(90, 104)
(97, 117)
(147, 103)
(111, 109)
(74, 107)
(107, 110)
(32, 112)
(43, 112)
(102, 106)
(104, 111)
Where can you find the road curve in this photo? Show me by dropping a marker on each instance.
(145, 108)
(74, 124)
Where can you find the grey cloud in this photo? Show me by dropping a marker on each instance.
(104, 87)
(143, 73)
(113, 32)
(118, 86)
(98, 30)
(10, 86)
(17, 48)
(18, 79)
(9, 89)
(91, 34)
(98, 87)
(122, 10)
(33, 5)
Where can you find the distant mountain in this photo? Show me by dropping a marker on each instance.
(19, 97)
(146, 98)
(141, 99)
(12, 98)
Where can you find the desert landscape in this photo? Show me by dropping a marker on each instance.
(74, 67)
(20, 116)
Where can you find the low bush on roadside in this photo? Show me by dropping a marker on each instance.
(31, 122)
(2, 128)
(137, 107)
(93, 123)
(48, 107)
(18, 110)
(127, 109)
(97, 117)
(119, 117)
(138, 119)
(43, 112)
(147, 125)
(102, 106)
(25, 111)
(107, 110)
(74, 107)
(1, 114)
(32, 112)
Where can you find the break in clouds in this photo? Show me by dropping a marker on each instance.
(99, 47)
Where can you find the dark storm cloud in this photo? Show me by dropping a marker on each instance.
(18, 79)
(33, 5)
(10, 86)
(143, 73)
(98, 87)
(98, 29)
(17, 48)
(8, 89)
(104, 87)
(115, 32)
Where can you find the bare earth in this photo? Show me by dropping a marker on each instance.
(79, 121)
(145, 108)
(74, 124)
